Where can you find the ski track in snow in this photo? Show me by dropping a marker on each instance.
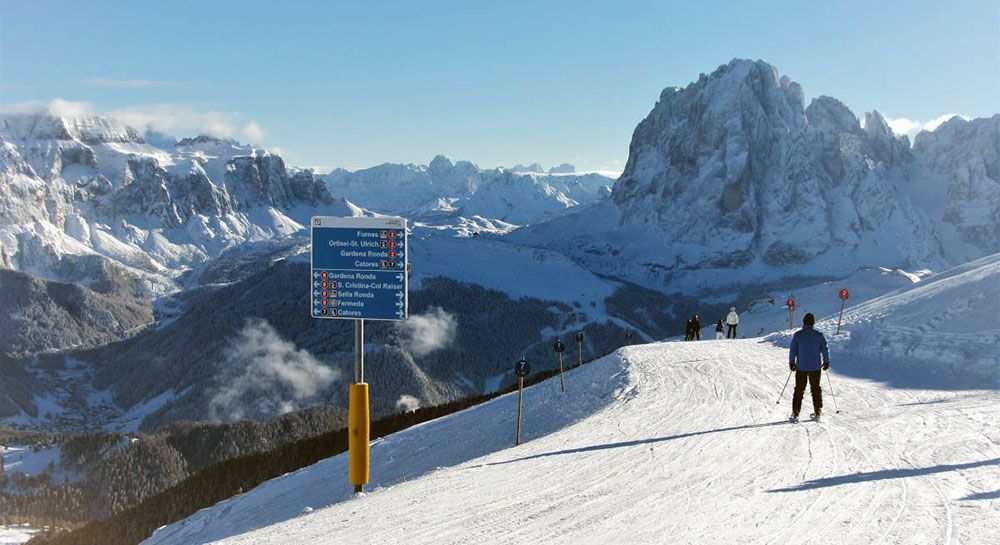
(665, 442)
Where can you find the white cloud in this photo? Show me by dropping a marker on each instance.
(25, 107)
(266, 375)
(407, 403)
(56, 106)
(425, 333)
(70, 108)
(181, 120)
(129, 83)
(178, 120)
(254, 132)
(909, 127)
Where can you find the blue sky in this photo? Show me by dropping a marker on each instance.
(344, 84)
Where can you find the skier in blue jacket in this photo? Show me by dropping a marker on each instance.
(808, 345)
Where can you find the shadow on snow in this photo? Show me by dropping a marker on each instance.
(884, 474)
(636, 442)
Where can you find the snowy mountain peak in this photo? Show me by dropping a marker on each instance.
(204, 139)
(534, 168)
(735, 171)
(831, 115)
(440, 165)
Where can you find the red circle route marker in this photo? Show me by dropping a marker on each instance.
(790, 303)
(844, 294)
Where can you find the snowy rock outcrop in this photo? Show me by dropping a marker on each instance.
(960, 164)
(91, 186)
(736, 165)
(733, 181)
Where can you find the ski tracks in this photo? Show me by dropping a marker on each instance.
(693, 449)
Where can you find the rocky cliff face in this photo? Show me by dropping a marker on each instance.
(960, 168)
(733, 183)
(738, 170)
(92, 186)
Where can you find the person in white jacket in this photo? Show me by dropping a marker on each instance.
(732, 320)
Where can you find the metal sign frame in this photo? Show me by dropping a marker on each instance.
(398, 272)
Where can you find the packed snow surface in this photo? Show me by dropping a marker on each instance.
(682, 442)
(23, 459)
(15, 534)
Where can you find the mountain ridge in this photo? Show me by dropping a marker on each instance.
(733, 180)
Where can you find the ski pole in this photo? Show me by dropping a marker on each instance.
(783, 388)
(830, 382)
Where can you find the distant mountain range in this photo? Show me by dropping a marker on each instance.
(142, 262)
(442, 192)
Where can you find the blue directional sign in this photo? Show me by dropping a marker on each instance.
(521, 368)
(359, 268)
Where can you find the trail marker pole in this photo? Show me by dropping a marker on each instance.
(844, 295)
(520, 395)
(562, 384)
(790, 303)
(560, 348)
(521, 369)
(579, 349)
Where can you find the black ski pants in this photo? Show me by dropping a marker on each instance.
(731, 330)
(800, 389)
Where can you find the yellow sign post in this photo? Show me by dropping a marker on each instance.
(357, 416)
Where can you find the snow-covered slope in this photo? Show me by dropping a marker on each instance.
(444, 192)
(16, 534)
(681, 442)
(944, 330)
(765, 315)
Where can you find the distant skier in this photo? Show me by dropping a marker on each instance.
(688, 330)
(732, 320)
(808, 345)
(696, 328)
(718, 331)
